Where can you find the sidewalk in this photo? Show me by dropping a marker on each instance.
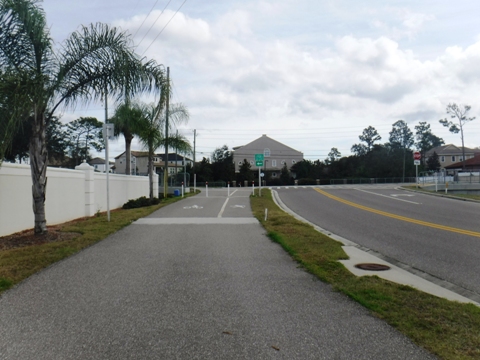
(198, 279)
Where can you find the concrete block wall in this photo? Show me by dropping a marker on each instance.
(71, 194)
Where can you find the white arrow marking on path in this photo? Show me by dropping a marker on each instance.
(193, 207)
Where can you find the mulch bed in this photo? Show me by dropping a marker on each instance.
(28, 238)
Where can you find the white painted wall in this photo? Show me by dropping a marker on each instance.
(71, 194)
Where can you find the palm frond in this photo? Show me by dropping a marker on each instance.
(100, 58)
(24, 40)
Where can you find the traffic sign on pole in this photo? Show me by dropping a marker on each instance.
(417, 155)
(258, 160)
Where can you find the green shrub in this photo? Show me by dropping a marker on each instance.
(140, 202)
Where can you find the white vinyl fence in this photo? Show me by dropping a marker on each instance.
(71, 194)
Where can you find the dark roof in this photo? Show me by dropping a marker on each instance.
(450, 149)
(472, 163)
(98, 161)
(173, 157)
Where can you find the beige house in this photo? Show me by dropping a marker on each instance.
(139, 161)
(275, 155)
(451, 154)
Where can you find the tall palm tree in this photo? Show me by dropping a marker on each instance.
(152, 134)
(36, 80)
(127, 119)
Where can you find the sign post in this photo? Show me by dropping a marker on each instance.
(259, 164)
(416, 161)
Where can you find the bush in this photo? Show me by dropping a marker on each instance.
(307, 181)
(140, 202)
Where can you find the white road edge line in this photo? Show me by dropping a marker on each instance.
(233, 192)
(390, 197)
(223, 208)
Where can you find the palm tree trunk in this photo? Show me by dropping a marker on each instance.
(38, 167)
(128, 158)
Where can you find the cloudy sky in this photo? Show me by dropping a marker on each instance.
(309, 73)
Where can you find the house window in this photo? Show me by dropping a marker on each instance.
(283, 162)
(461, 158)
(266, 152)
(251, 162)
(274, 163)
(453, 158)
(293, 161)
(442, 158)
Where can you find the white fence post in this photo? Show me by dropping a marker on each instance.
(89, 188)
(155, 185)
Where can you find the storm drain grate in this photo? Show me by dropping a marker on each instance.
(372, 267)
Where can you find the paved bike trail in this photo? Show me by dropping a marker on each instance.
(198, 279)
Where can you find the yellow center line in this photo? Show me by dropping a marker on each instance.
(398, 217)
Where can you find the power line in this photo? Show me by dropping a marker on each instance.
(164, 27)
(156, 2)
(158, 17)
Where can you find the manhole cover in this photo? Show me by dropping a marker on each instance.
(372, 267)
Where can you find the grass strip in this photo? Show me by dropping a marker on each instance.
(442, 193)
(448, 329)
(18, 264)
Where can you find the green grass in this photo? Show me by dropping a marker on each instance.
(20, 263)
(450, 195)
(450, 330)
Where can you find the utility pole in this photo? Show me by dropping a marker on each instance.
(176, 157)
(194, 151)
(107, 165)
(165, 175)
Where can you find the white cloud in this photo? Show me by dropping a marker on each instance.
(287, 65)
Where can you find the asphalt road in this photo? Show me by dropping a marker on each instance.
(449, 255)
(195, 280)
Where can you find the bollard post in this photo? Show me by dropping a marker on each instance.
(253, 188)
(229, 188)
(266, 214)
(206, 187)
(446, 187)
(182, 190)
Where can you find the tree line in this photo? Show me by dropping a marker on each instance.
(370, 159)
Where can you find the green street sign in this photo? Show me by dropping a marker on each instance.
(258, 157)
(258, 163)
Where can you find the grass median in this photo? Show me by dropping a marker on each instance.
(448, 329)
(16, 264)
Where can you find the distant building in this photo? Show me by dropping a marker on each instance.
(451, 154)
(139, 163)
(99, 164)
(276, 155)
(472, 164)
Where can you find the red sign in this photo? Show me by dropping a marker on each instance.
(417, 155)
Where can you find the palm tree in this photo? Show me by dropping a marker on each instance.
(127, 119)
(35, 80)
(151, 132)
